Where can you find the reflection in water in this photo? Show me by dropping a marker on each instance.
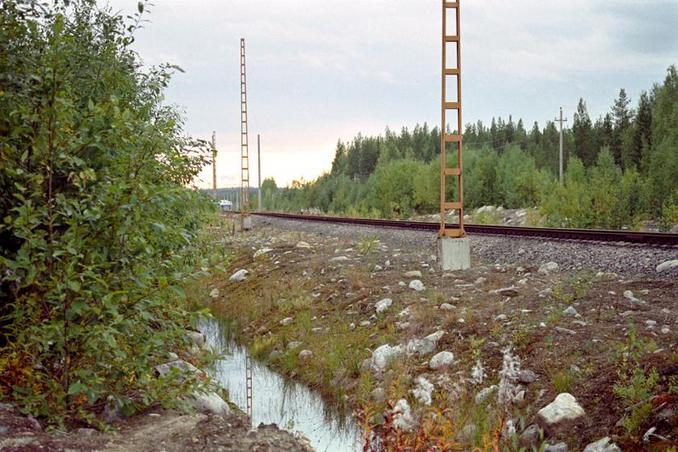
(290, 405)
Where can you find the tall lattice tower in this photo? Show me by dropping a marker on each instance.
(455, 249)
(245, 220)
(451, 102)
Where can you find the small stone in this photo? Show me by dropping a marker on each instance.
(351, 326)
(667, 265)
(665, 330)
(402, 283)
(262, 251)
(565, 330)
(548, 268)
(501, 318)
(302, 245)
(527, 377)
(530, 436)
(417, 285)
(383, 305)
(507, 291)
(378, 268)
(558, 447)
(571, 311)
(86, 431)
(305, 354)
(214, 293)
(365, 323)
(294, 344)
(383, 355)
(629, 296)
(317, 329)
(563, 409)
(209, 402)
(480, 280)
(239, 276)
(446, 307)
(412, 274)
(602, 445)
(286, 321)
(650, 323)
(339, 259)
(441, 360)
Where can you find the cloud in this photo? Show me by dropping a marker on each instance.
(320, 71)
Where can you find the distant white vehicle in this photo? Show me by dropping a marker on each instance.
(225, 205)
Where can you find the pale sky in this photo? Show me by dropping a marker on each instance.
(319, 71)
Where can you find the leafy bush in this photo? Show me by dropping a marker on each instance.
(98, 230)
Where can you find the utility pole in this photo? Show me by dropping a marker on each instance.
(259, 170)
(561, 121)
(214, 165)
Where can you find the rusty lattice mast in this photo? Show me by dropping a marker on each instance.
(244, 151)
(451, 37)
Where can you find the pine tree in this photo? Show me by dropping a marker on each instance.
(622, 116)
(584, 146)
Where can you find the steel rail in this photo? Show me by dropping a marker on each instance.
(594, 235)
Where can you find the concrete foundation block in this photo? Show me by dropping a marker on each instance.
(247, 223)
(454, 254)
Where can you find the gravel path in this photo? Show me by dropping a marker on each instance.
(623, 259)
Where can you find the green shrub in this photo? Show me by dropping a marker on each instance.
(98, 228)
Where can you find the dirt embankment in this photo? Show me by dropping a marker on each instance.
(489, 347)
(157, 430)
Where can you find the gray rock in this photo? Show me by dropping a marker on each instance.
(383, 355)
(530, 436)
(302, 245)
(305, 354)
(562, 410)
(527, 377)
(383, 305)
(441, 360)
(424, 346)
(339, 259)
(602, 445)
(571, 311)
(548, 268)
(294, 344)
(417, 285)
(239, 276)
(286, 321)
(197, 339)
(507, 291)
(86, 431)
(412, 274)
(365, 323)
(275, 354)
(667, 265)
(446, 307)
(209, 402)
(185, 368)
(214, 293)
(559, 447)
(3, 429)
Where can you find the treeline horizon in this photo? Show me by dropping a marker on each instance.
(620, 168)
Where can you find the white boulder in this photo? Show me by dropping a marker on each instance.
(425, 345)
(239, 276)
(563, 409)
(383, 355)
(602, 445)
(209, 402)
(417, 285)
(441, 360)
(383, 305)
(423, 390)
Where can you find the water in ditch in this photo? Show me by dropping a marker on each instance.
(276, 400)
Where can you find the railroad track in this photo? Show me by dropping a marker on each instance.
(594, 235)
